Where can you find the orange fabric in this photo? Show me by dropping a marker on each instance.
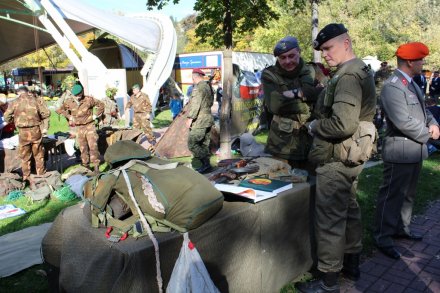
(412, 51)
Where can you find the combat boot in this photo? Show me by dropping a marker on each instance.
(327, 284)
(206, 166)
(96, 170)
(350, 267)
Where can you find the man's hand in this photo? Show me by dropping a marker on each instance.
(434, 131)
(188, 122)
(309, 126)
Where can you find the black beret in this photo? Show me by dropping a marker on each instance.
(327, 33)
(285, 44)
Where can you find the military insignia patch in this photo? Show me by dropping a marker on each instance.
(394, 79)
(283, 46)
(405, 82)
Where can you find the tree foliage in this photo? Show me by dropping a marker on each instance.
(377, 27)
(217, 21)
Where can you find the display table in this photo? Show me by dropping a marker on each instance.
(245, 247)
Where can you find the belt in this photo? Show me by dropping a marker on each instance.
(28, 126)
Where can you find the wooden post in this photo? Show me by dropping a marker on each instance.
(226, 110)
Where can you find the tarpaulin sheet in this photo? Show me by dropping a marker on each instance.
(245, 247)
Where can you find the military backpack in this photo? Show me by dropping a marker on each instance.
(169, 195)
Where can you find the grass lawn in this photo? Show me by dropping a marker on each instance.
(31, 280)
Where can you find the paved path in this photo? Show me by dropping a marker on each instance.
(418, 270)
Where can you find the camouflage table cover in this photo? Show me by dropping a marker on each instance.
(245, 247)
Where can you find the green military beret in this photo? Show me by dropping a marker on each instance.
(76, 89)
(136, 86)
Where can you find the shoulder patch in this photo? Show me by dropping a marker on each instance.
(395, 79)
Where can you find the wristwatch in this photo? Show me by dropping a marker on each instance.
(295, 93)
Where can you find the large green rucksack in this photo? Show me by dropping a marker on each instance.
(171, 196)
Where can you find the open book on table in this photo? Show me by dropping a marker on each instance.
(250, 194)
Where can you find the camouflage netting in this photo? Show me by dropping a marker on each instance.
(271, 238)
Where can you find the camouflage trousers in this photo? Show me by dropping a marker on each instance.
(198, 142)
(87, 139)
(30, 145)
(141, 121)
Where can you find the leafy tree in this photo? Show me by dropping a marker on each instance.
(217, 20)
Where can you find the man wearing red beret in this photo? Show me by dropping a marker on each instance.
(404, 147)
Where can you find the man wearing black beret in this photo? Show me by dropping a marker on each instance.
(345, 111)
(289, 93)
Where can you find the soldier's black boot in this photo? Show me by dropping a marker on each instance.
(327, 284)
(206, 166)
(350, 267)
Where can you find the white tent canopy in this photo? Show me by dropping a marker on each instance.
(38, 23)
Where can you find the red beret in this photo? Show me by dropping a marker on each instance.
(198, 71)
(412, 51)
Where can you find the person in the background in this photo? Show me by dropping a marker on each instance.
(420, 80)
(78, 110)
(409, 127)
(175, 105)
(28, 113)
(219, 97)
(434, 87)
(142, 112)
(111, 112)
(200, 120)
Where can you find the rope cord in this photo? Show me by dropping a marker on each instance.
(14, 195)
(64, 193)
(150, 233)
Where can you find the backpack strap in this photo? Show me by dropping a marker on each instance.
(149, 232)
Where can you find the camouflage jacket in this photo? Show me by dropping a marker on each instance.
(110, 111)
(81, 111)
(287, 138)
(200, 106)
(27, 111)
(140, 103)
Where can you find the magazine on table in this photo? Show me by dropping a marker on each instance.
(267, 185)
(249, 194)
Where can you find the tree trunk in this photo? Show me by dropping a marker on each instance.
(315, 22)
(226, 110)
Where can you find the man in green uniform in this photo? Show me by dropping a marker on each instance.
(289, 95)
(200, 120)
(78, 109)
(29, 113)
(347, 109)
(142, 112)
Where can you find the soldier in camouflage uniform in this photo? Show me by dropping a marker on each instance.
(142, 112)
(28, 114)
(200, 120)
(289, 94)
(111, 112)
(380, 76)
(348, 107)
(78, 110)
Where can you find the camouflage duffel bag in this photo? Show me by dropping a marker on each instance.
(10, 182)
